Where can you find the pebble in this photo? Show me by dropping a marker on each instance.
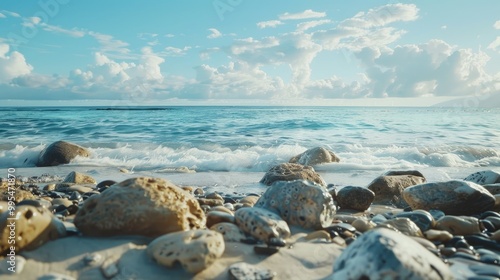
(92, 259)
(404, 225)
(459, 225)
(109, 268)
(105, 183)
(221, 209)
(245, 271)
(421, 218)
(55, 276)
(353, 197)
(319, 234)
(261, 223)
(438, 235)
(195, 250)
(363, 224)
(230, 232)
(6, 266)
(215, 217)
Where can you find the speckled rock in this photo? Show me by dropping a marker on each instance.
(454, 197)
(403, 225)
(388, 188)
(140, 206)
(385, 254)
(290, 172)
(261, 223)
(459, 225)
(230, 232)
(357, 198)
(485, 177)
(300, 203)
(245, 271)
(421, 218)
(195, 250)
(19, 195)
(315, 156)
(60, 152)
(33, 228)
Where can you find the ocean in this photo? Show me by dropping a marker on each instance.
(238, 144)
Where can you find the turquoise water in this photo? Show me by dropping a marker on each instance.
(254, 138)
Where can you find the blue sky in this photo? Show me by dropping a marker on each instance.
(152, 52)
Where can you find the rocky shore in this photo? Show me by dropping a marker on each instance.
(400, 226)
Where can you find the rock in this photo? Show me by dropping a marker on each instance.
(109, 268)
(12, 266)
(265, 250)
(214, 195)
(249, 200)
(195, 250)
(215, 217)
(93, 259)
(245, 271)
(486, 177)
(105, 183)
(385, 254)
(78, 178)
(388, 188)
(319, 234)
(452, 197)
(315, 156)
(363, 224)
(463, 225)
(404, 172)
(60, 152)
(494, 189)
(300, 203)
(230, 232)
(222, 209)
(291, 172)
(404, 225)
(357, 198)
(55, 276)
(33, 228)
(139, 206)
(261, 223)
(210, 202)
(19, 195)
(438, 235)
(421, 218)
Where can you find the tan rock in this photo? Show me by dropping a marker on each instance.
(60, 152)
(79, 178)
(438, 235)
(319, 234)
(231, 232)
(140, 206)
(249, 200)
(221, 209)
(388, 189)
(195, 250)
(4, 206)
(363, 224)
(215, 217)
(290, 172)
(19, 195)
(79, 188)
(315, 156)
(459, 225)
(261, 223)
(210, 202)
(33, 228)
(404, 225)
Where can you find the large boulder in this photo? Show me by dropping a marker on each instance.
(140, 206)
(453, 197)
(486, 177)
(315, 156)
(290, 172)
(389, 187)
(60, 152)
(33, 228)
(386, 254)
(300, 202)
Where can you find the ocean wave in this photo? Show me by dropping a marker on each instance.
(213, 157)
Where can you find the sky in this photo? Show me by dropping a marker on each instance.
(248, 52)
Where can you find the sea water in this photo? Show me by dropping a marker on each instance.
(244, 142)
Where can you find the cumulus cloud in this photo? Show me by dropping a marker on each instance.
(214, 33)
(269, 23)
(497, 24)
(108, 44)
(173, 51)
(12, 64)
(302, 15)
(304, 26)
(495, 45)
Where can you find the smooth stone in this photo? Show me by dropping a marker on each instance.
(222, 209)
(60, 152)
(385, 254)
(487, 225)
(199, 192)
(452, 197)
(210, 202)
(291, 172)
(421, 218)
(388, 189)
(404, 225)
(424, 242)
(195, 250)
(230, 232)
(245, 271)
(486, 177)
(78, 178)
(93, 259)
(487, 214)
(319, 234)
(486, 270)
(55, 276)
(49, 187)
(436, 214)
(438, 235)
(249, 200)
(80, 189)
(363, 224)
(139, 206)
(448, 251)
(482, 241)
(62, 201)
(299, 202)
(377, 219)
(495, 236)
(357, 198)
(109, 268)
(105, 183)
(215, 217)
(261, 223)
(314, 156)
(344, 218)
(7, 268)
(229, 206)
(459, 225)
(214, 195)
(33, 228)
(276, 242)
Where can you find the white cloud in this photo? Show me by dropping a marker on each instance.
(269, 23)
(304, 26)
(214, 33)
(444, 27)
(495, 45)
(70, 32)
(109, 44)
(382, 16)
(172, 51)
(12, 64)
(2, 15)
(169, 35)
(497, 24)
(302, 15)
(10, 14)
